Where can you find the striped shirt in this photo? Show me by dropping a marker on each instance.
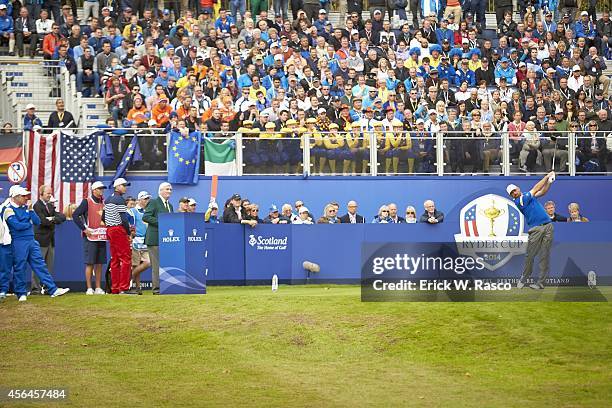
(115, 212)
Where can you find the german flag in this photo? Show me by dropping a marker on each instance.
(11, 149)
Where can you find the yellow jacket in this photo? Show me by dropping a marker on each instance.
(333, 141)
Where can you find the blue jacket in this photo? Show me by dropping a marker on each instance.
(20, 221)
(445, 35)
(584, 31)
(468, 76)
(6, 24)
(508, 73)
(29, 122)
(447, 72)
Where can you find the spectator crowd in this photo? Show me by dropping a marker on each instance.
(392, 80)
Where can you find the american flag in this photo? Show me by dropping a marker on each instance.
(469, 222)
(66, 162)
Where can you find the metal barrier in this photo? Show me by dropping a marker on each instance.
(373, 153)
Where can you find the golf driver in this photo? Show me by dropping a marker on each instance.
(554, 139)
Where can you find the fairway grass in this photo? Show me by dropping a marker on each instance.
(314, 346)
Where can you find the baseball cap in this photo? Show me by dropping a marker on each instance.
(522, 64)
(2, 6)
(150, 75)
(97, 184)
(30, 106)
(504, 59)
(465, 41)
(143, 194)
(576, 68)
(120, 182)
(192, 201)
(184, 200)
(18, 191)
(303, 210)
(273, 208)
(322, 11)
(511, 188)
(236, 196)
(559, 110)
(420, 121)
(584, 13)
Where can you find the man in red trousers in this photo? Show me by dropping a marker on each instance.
(118, 233)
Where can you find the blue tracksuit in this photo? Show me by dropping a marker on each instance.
(6, 267)
(26, 250)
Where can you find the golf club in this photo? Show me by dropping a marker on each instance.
(554, 139)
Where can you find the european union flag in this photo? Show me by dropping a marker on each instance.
(132, 154)
(184, 157)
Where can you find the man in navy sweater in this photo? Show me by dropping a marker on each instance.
(26, 250)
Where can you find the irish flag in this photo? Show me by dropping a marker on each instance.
(220, 158)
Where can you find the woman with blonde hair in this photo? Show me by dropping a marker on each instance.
(411, 215)
(574, 214)
(330, 215)
(383, 216)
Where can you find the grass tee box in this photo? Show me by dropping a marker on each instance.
(306, 346)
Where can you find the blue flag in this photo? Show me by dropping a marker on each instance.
(183, 157)
(106, 151)
(132, 154)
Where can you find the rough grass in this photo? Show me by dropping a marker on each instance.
(307, 346)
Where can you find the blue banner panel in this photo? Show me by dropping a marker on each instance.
(268, 253)
(224, 262)
(181, 253)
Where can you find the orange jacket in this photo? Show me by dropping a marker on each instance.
(160, 115)
(49, 43)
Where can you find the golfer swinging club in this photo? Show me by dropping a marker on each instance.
(540, 228)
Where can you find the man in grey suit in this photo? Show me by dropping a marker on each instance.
(45, 232)
(25, 31)
(151, 215)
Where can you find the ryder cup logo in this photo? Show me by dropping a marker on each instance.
(491, 228)
(171, 237)
(194, 237)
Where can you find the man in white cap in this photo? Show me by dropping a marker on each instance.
(30, 119)
(45, 232)
(26, 250)
(540, 228)
(118, 233)
(155, 207)
(192, 203)
(140, 255)
(88, 218)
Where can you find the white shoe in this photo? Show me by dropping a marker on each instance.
(60, 292)
(23, 298)
(520, 284)
(90, 291)
(99, 291)
(2, 295)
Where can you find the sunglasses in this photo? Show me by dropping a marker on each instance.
(410, 213)
(384, 211)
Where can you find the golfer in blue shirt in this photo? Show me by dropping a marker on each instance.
(540, 228)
